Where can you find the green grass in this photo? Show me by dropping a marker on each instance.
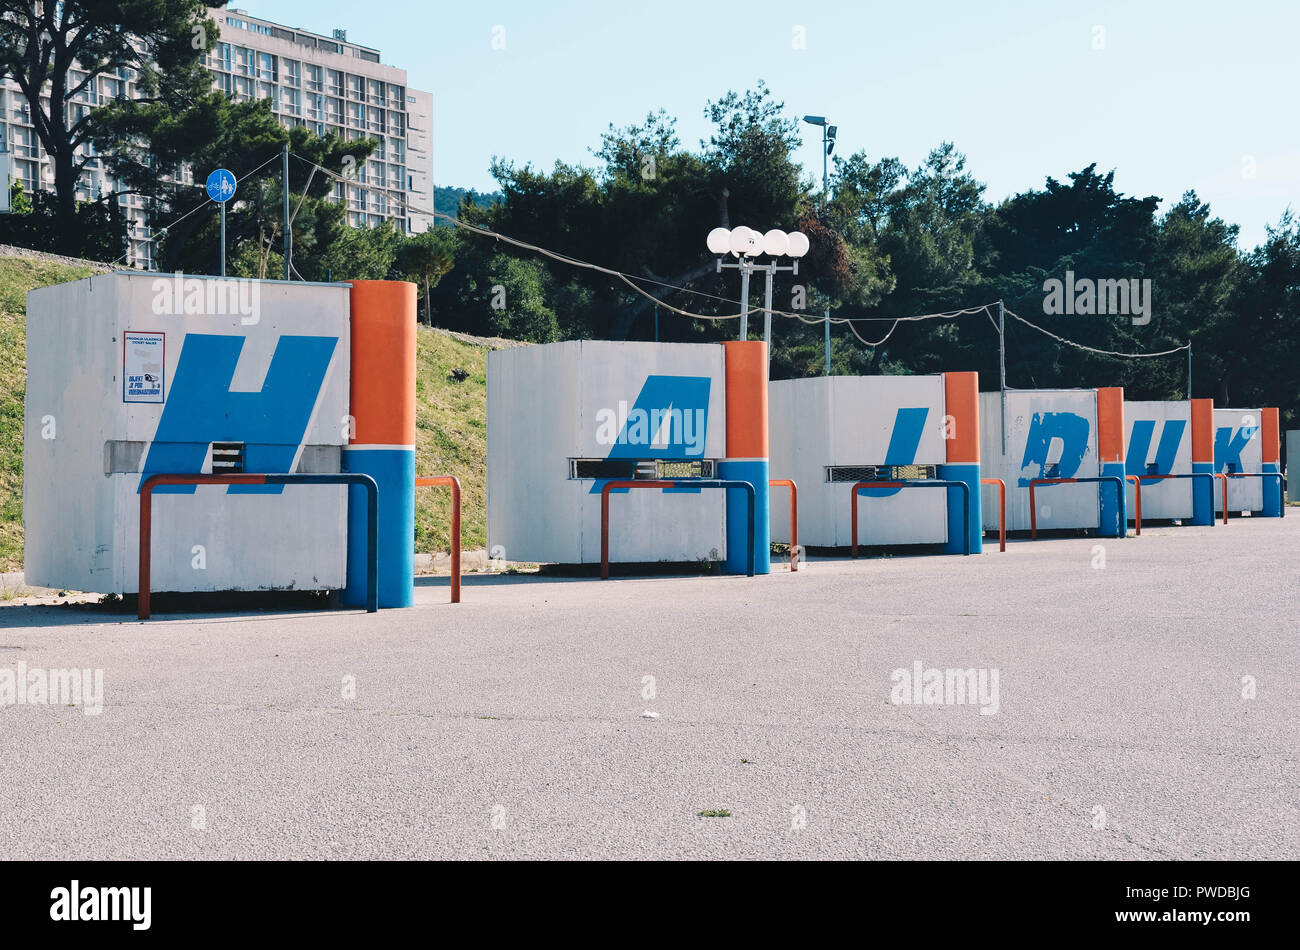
(17, 276)
(451, 419)
(714, 813)
(450, 439)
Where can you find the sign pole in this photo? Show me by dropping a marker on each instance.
(1002, 369)
(221, 188)
(288, 237)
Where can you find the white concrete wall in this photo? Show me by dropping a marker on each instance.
(849, 421)
(1244, 494)
(1293, 464)
(1171, 498)
(1059, 506)
(82, 525)
(544, 405)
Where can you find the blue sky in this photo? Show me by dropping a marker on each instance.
(1180, 95)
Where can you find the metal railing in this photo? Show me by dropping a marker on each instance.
(671, 483)
(1137, 498)
(794, 517)
(450, 481)
(1210, 475)
(246, 478)
(918, 483)
(1002, 509)
(1034, 482)
(1281, 487)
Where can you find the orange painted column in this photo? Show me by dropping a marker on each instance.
(382, 444)
(1113, 518)
(745, 374)
(1202, 460)
(1271, 461)
(961, 406)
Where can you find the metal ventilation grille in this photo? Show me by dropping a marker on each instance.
(602, 468)
(694, 468)
(227, 457)
(850, 473)
(642, 468)
(905, 472)
(878, 473)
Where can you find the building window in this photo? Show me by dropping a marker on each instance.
(313, 77)
(293, 72)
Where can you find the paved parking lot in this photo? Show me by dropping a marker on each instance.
(513, 725)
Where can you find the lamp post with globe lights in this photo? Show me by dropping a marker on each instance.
(746, 244)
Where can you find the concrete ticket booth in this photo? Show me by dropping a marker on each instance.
(1056, 434)
(133, 374)
(1248, 442)
(831, 432)
(563, 419)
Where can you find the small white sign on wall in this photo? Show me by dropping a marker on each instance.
(143, 365)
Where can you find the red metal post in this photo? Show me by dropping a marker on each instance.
(855, 506)
(146, 521)
(1137, 495)
(794, 517)
(454, 484)
(1033, 508)
(1225, 495)
(604, 513)
(1002, 509)
(1033, 512)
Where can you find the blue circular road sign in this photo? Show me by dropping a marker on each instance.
(221, 185)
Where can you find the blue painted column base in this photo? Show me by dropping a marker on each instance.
(968, 472)
(1272, 494)
(755, 472)
(394, 472)
(1203, 494)
(1113, 521)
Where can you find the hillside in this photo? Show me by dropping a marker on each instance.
(451, 417)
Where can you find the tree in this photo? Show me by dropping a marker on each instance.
(359, 254)
(152, 148)
(56, 51)
(424, 259)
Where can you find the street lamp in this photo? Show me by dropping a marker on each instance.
(746, 244)
(828, 146)
(828, 143)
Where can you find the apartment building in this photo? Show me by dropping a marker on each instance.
(327, 84)
(34, 169)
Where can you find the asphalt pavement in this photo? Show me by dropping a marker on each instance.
(1147, 706)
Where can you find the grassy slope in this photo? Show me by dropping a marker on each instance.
(450, 439)
(451, 419)
(17, 276)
